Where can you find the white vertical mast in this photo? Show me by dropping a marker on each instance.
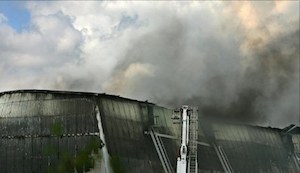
(182, 158)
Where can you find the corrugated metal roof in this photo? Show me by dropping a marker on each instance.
(65, 93)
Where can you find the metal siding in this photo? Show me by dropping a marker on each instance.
(252, 149)
(249, 149)
(26, 122)
(125, 122)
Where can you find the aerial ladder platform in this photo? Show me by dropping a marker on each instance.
(187, 159)
(187, 162)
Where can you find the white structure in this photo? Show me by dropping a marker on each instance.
(187, 159)
(182, 158)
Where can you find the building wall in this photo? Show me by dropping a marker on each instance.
(40, 130)
(43, 130)
(253, 149)
(124, 122)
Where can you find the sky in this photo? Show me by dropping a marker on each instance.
(19, 17)
(232, 59)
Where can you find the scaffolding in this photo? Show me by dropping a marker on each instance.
(193, 136)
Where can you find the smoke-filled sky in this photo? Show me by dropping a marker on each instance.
(232, 59)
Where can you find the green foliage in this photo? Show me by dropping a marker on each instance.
(117, 165)
(51, 169)
(86, 157)
(57, 129)
(50, 150)
(82, 162)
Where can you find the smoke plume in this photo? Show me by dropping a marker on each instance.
(247, 71)
(236, 60)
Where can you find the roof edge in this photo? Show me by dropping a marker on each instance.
(45, 91)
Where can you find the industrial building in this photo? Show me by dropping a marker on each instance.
(62, 131)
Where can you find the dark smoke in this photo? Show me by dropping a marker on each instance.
(211, 72)
(236, 60)
(273, 73)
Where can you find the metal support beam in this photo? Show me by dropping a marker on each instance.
(161, 151)
(176, 138)
(223, 159)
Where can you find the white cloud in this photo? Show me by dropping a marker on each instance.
(2, 18)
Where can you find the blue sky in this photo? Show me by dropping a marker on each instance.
(18, 16)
